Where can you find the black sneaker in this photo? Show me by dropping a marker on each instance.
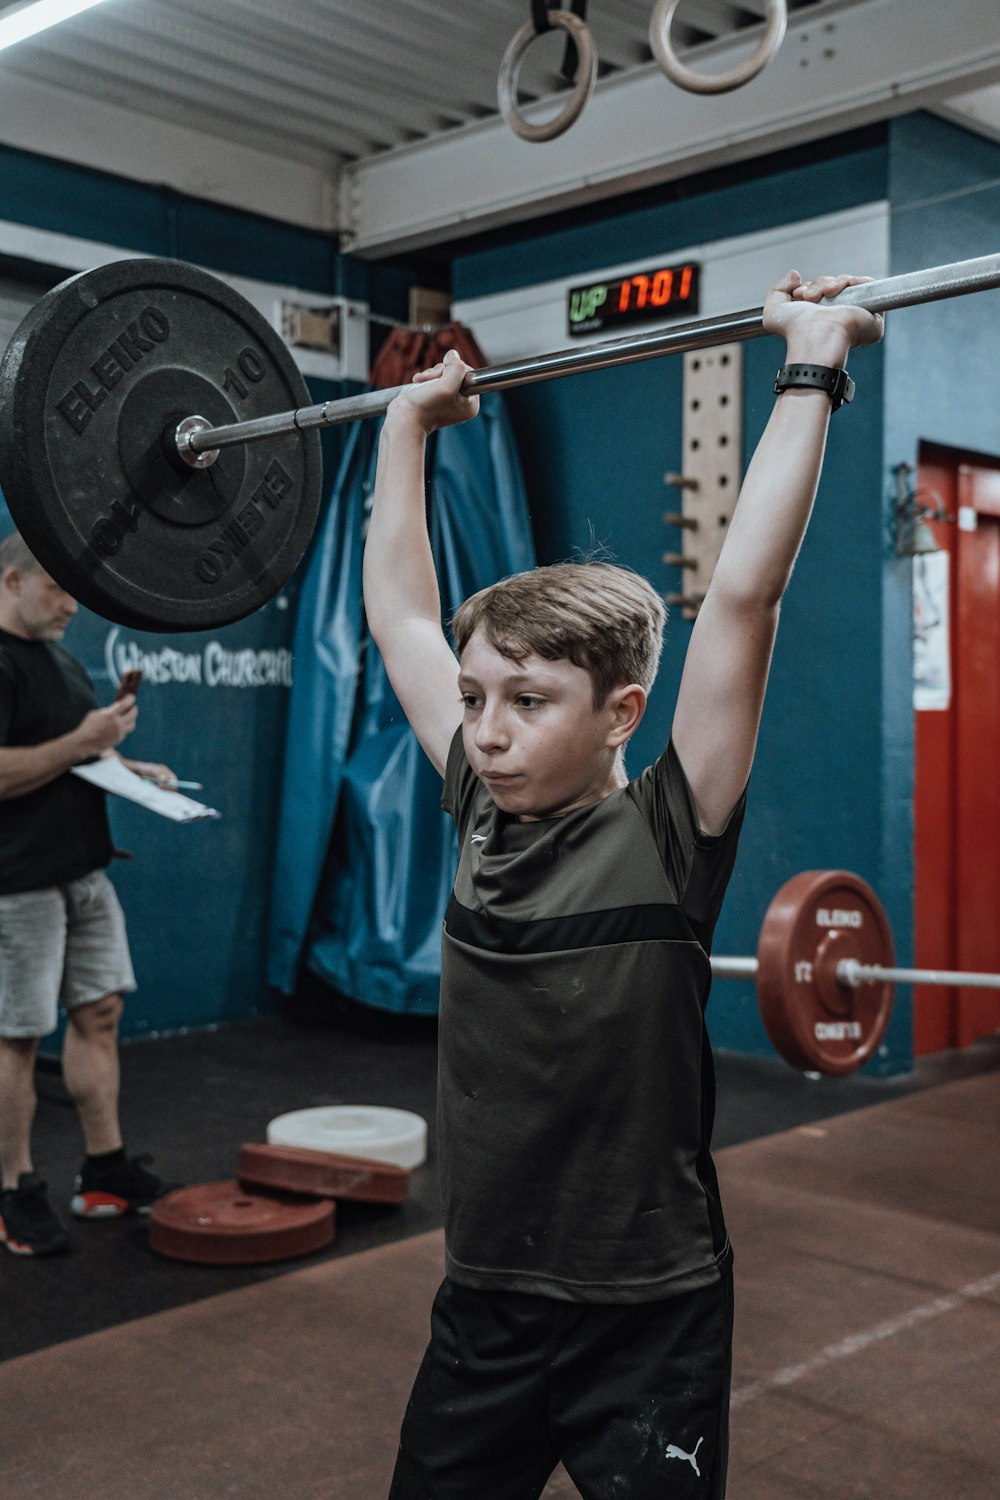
(124, 1187)
(27, 1224)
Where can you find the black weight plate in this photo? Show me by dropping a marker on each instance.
(92, 387)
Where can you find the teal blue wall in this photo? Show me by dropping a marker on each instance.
(833, 780)
(832, 784)
(74, 200)
(196, 896)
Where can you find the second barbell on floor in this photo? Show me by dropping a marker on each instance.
(825, 972)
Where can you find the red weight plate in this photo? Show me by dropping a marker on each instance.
(814, 1021)
(324, 1174)
(225, 1224)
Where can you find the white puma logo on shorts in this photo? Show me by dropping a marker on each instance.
(689, 1458)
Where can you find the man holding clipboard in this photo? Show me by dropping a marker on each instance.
(62, 930)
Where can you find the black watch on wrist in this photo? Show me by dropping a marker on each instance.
(837, 383)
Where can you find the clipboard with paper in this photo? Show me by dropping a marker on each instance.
(111, 775)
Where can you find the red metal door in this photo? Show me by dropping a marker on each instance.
(957, 800)
(977, 693)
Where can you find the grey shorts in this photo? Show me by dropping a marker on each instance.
(64, 945)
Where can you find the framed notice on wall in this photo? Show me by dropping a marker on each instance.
(931, 649)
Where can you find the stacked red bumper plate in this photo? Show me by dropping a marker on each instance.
(324, 1174)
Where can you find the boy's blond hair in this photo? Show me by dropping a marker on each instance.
(598, 615)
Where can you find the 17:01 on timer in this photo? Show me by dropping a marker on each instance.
(641, 297)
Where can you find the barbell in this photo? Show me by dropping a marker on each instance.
(825, 972)
(143, 460)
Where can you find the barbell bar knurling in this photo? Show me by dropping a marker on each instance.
(734, 968)
(935, 284)
(853, 973)
(850, 971)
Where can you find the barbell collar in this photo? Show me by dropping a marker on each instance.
(193, 441)
(932, 285)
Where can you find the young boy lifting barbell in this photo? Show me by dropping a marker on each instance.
(586, 1312)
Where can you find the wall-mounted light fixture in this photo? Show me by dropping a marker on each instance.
(912, 513)
(17, 22)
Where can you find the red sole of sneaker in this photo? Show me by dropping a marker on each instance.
(16, 1247)
(103, 1206)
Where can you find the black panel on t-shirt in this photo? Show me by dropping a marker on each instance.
(59, 832)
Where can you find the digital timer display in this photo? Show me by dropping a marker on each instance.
(640, 297)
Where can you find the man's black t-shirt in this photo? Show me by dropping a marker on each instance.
(59, 832)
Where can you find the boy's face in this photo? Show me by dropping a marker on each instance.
(532, 733)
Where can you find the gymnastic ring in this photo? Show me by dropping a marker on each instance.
(714, 83)
(586, 76)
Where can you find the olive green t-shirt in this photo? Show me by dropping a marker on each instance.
(576, 1089)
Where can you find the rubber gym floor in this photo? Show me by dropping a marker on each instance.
(864, 1213)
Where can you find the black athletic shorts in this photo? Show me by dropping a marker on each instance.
(634, 1400)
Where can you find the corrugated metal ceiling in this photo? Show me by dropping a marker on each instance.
(325, 82)
(308, 110)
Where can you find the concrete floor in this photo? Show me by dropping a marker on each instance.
(867, 1339)
(193, 1100)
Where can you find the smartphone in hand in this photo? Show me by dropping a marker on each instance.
(129, 683)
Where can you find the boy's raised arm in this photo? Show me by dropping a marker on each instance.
(402, 602)
(725, 671)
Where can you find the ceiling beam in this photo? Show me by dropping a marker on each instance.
(110, 137)
(839, 67)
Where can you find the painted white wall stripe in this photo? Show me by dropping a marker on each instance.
(735, 274)
(792, 1374)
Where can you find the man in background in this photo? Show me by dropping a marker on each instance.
(62, 930)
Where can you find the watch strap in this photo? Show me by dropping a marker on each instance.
(836, 382)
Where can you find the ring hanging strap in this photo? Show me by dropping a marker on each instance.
(540, 16)
(571, 58)
(540, 21)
